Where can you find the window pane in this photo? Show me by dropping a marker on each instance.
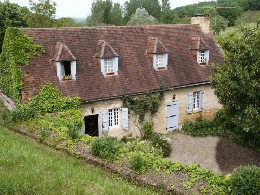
(109, 65)
(110, 117)
(159, 60)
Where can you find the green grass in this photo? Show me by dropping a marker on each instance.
(27, 167)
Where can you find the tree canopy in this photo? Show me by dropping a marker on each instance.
(142, 17)
(11, 14)
(237, 82)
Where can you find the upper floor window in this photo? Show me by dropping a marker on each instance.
(109, 66)
(203, 57)
(66, 70)
(160, 61)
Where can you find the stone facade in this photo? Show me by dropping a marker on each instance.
(211, 106)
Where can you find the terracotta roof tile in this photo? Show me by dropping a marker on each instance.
(131, 44)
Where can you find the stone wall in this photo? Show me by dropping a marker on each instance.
(211, 106)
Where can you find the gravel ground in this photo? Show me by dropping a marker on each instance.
(212, 152)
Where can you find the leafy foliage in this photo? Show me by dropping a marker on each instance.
(148, 102)
(147, 129)
(105, 12)
(236, 83)
(245, 180)
(142, 17)
(106, 147)
(50, 100)
(11, 15)
(160, 141)
(18, 49)
(42, 14)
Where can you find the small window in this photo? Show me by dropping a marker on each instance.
(160, 61)
(66, 70)
(109, 66)
(113, 117)
(195, 101)
(203, 57)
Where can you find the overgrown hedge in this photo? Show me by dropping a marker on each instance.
(222, 125)
(17, 49)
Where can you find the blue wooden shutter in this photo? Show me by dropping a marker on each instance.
(115, 61)
(154, 61)
(172, 116)
(201, 99)
(190, 102)
(165, 60)
(73, 70)
(104, 119)
(207, 56)
(102, 66)
(198, 56)
(59, 70)
(125, 118)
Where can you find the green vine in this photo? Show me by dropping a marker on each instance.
(18, 49)
(142, 104)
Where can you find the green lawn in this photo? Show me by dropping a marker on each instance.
(27, 167)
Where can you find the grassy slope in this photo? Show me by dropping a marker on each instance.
(27, 167)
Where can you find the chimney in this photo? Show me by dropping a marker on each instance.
(203, 21)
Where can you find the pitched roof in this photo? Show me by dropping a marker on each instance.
(133, 45)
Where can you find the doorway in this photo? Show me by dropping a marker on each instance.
(91, 125)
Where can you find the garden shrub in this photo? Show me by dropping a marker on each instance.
(245, 180)
(162, 142)
(147, 129)
(106, 147)
(73, 131)
(144, 146)
(23, 113)
(138, 162)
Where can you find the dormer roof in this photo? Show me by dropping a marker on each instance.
(62, 53)
(104, 50)
(198, 43)
(155, 46)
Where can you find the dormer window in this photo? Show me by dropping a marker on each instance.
(158, 52)
(109, 66)
(203, 57)
(160, 61)
(65, 62)
(66, 70)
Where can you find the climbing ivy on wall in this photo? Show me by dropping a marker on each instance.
(142, 104)
(18, 49)
(50, 100)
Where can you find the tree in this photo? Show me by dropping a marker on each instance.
(11, 15)
(43, 14)
(231, 14)
(142, 17)
(151, 6)
(105, 12)
(237, 81)
(67, 22)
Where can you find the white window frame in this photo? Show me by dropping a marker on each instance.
(203, 56)
(196, 100)
(160, 61)
(61, 70)
(109, 66)
(113, 117)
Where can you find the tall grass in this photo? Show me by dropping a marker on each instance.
(27, 167)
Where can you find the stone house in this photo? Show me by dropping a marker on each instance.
(102, 64)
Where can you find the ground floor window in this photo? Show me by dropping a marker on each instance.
(113, 117)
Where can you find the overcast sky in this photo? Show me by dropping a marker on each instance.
(81, 8)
